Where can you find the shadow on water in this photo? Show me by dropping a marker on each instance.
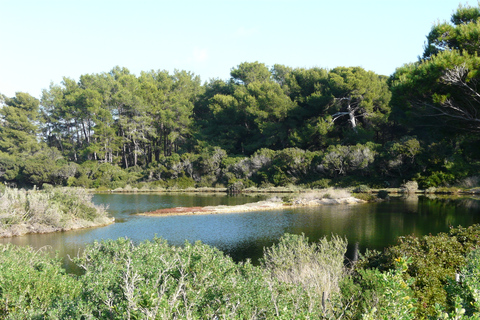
(244, 235)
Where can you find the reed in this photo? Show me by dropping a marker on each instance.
(39, 211)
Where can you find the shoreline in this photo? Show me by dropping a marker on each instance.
(284, 190)
(23, 229)
(254, 206)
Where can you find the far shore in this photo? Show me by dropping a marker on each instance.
(289, 190)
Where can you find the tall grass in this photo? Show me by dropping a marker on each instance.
(315, 268)
(23, 211)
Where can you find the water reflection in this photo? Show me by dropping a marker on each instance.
(244, 235)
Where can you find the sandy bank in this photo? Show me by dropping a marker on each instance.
(38, 228)
(273, 204)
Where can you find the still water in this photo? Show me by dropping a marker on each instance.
(244, 235)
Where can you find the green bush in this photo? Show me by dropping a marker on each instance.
(362, 189)
(384, 295)
(181, 183)
(320, 184)
(382, 194)
(32, 283)
(295, 280)
(154, 280)
(364, 196)
(434, 260)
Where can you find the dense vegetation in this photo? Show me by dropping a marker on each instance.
(263, 126)
(295, 280)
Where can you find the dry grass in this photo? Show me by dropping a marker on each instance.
(35, 211)
(317, 268)
(329, 193)
(470, 182)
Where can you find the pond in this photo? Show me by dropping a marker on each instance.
(244, 235)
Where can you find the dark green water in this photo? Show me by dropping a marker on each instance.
(244, 235)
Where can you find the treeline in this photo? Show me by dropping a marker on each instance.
(263, 126)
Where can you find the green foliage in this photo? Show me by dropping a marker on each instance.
(9, 167)
(434, 260)
(181, 183)
(339, 159)
(19, 117)
(362, 189)
(386, 295)
(320, 184)
(382, 194)
(152, 279)
(32, 283)
(461, 34)
(295, 280)
(364, 196)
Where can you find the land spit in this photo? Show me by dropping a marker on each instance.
(39, 228)
(271, 204)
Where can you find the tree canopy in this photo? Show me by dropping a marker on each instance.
(264, 125)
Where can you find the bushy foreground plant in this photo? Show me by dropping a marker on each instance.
(464, 291)
(295, 280)
(152, 280)
(314, 270)
(32, 283)
(435, 259)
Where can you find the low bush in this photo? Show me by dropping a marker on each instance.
(364, 196)
(382, 194)
(32, 283)
(181, 183)
(434, 260)
(362, 189)
(410, 187)
(296, 279)
(313, 268)
(320, 184)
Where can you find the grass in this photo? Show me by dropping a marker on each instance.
(316, 268)
(39, 211)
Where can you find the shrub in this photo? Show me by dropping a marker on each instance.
(364, 196)
(32, 283)
(385, 295)
(154, 280)
(316, 268)
(383, 194)
(410, 187)
(434, 260)
(236, 187)
(320, 184)
(361, 189)
(181, 183)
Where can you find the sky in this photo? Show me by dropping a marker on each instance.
(43, 41)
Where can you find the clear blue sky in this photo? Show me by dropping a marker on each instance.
(43, 41)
